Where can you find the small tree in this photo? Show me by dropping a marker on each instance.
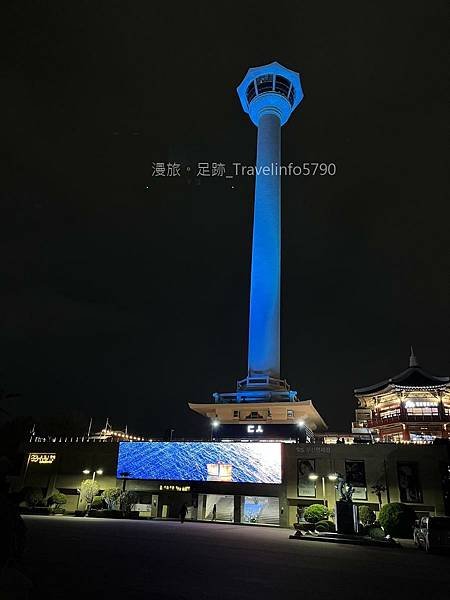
(89, 489)
(127, 501)
(33, 496)
(397, 519)
(58, 499)
(111, 496)
(316, 513)
(366, 515)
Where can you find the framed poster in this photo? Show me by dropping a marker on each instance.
(408, 482)
(355, 474)
(306, 488)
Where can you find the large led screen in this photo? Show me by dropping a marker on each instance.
(256, 462)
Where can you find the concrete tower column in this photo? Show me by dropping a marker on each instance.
(268, 94)
(264, 326)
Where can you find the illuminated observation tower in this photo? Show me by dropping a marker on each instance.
(269, 94)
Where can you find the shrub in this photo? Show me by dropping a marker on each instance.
(328, 523)
(397, 519)
(366, 515)
(315, 513)
(127, 501)
(111, 498)
(325, 525)
(97, 503)
(33, 496)
(376, 533)
(58, 499)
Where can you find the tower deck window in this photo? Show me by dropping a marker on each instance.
(264, 83)
(283, 87)
(271, 83)
(251, 92)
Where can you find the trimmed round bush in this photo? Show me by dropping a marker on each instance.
(331, 525)
(397, 519)
(325, 525)
(97, 503)
(58, 499)
(366, 515)
(376, 533)
(315, 513)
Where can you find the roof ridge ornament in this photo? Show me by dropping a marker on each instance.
(413, 362)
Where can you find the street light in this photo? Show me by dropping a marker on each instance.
(94, 473)
(86, 472)
(315, 477)
(214, 425)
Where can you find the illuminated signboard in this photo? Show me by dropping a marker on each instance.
(43, 458)
(175, 488)
(255, 429)
(201, 461)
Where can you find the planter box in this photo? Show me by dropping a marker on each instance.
(38, 510)
(134, 514)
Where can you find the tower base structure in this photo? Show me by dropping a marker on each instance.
(260, 388)
(261, 408)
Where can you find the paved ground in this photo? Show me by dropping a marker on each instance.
(101, 558)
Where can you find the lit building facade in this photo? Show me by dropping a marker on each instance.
(259, 483)
(413, 406)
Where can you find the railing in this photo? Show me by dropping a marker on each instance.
(377, 421)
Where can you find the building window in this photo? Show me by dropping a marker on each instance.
(408, 482)
(260, 509)
(395, 438)
(290, 414)
(254, 415)
(389, 413)
(235, 414)
(421, 438)
(422, 408)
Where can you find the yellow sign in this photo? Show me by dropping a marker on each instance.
(44, 458)
(175, 488)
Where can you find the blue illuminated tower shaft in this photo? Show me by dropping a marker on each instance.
(264, 328)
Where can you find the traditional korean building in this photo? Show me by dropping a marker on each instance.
(413, 406)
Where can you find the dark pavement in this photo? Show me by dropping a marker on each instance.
(98, 558)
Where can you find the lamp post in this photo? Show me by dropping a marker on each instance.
(86, 472)
(330, 477)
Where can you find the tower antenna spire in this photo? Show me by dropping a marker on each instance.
(413, 359)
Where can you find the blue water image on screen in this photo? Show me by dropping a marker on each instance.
(201, 461)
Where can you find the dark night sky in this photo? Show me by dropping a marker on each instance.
(129, 302)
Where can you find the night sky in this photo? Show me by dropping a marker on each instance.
(126, 295)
